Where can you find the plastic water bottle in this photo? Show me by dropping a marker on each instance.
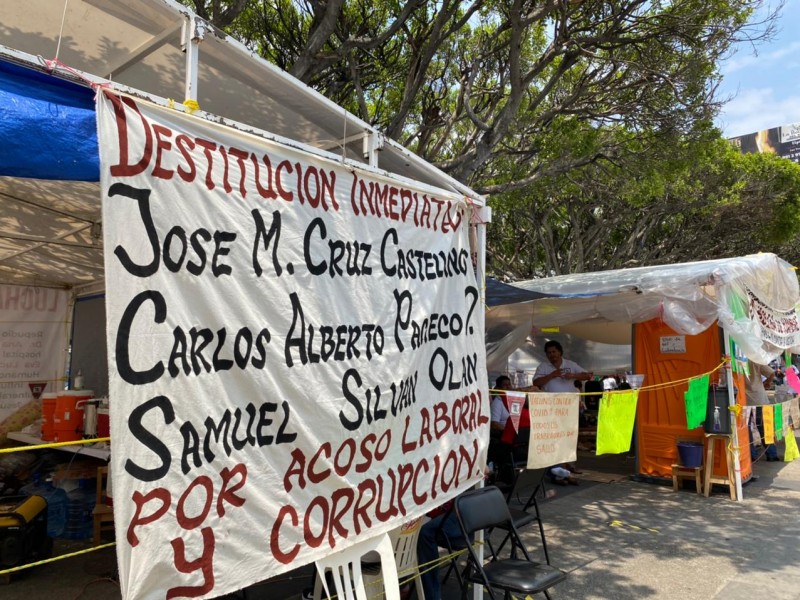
(78, 383)
(80, 521)
(57, 502)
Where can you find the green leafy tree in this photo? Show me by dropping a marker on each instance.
(585, 121)
(693, 198)
(475, 86)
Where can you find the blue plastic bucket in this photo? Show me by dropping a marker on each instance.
(691, 454)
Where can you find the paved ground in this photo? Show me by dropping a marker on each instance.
(629, 540)
(618, 539)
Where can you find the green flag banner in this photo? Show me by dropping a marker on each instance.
(778, 422)
(696, 398)
(615, 421)
(739, 306)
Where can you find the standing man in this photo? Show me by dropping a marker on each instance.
(609, 383)
(559, 374)
(780, 374)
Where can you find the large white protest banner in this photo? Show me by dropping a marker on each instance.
(296, 353)
(33, 341)
(554, 429)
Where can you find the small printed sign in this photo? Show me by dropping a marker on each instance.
(789, 133)
(515, 402)
(673, 344)
(37, 388)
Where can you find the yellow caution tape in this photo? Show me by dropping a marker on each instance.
(618, 523)
(54, 445)
(56, 558)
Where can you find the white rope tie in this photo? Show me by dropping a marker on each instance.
(61, 31)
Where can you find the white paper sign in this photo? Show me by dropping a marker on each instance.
(33, 334)
(673, 344)
(296, 353)
(554, 429)
(789, 133)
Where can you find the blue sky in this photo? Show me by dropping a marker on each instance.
(765, 81)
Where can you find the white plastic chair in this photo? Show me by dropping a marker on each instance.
(404, 541)
(345, 568)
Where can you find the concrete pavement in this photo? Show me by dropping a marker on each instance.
(627, 540)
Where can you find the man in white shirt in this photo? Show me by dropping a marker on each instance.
(499, 411)
(559, 374)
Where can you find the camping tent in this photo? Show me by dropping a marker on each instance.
(51, 226)
(508, 329)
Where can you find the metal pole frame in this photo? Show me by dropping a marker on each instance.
(737, 464)
(194, 30)
(484, 217)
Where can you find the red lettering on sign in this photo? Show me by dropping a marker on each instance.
(140, 500)
(204, 564)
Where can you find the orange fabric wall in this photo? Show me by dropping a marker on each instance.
(661, 413)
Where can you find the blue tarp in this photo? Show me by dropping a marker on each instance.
(499, 293)
(48, 128)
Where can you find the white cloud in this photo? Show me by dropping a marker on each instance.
(764, 87)
(755, 109)
(738, 62)
(763, 60)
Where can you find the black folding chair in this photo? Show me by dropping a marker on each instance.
(594, 391)
(527, 481)
(486, 508)
(510, 459)
(453, 546)
(519, 449)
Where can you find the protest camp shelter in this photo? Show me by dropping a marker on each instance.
(53, 58)
(56, 56)
(161, 51)
(605, 348)
(679, 321)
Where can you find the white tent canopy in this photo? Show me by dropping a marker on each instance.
(158, 49)
(140, 44)
(50, 235)
(689, 297)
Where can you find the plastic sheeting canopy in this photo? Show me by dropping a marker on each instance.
(753, 297)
